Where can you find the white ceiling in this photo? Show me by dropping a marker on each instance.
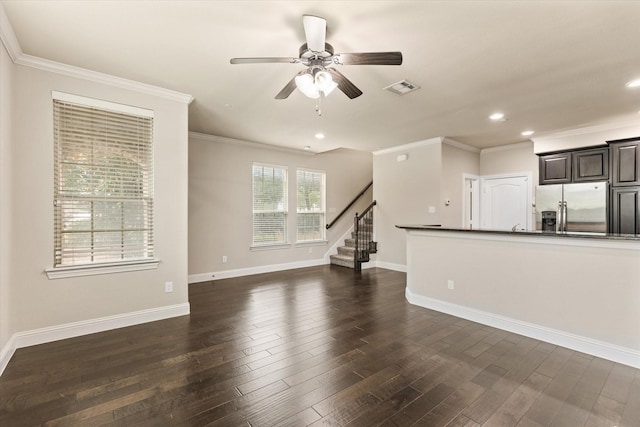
(549, 66)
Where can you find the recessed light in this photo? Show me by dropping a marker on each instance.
(527, 133)
(633, 83)
(497, 117)
(319, 135)
(307, 147)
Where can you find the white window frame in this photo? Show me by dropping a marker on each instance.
(323, 211)
(284, 210)
(93, 268)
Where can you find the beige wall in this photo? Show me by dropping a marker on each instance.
(36, 301)
(404, 191)
(220, 220)
(509, 159)
(456, 163)
(6, 80)
(584, 287)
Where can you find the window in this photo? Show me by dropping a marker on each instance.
(269, 204)
(103, 183)
(311, 201)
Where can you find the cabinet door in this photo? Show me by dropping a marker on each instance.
(591, 165)
(625, 163)
(625, 210)
(555, 168)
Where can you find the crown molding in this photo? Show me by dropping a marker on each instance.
(424, 143)
(8, 37)
(239, 142)
(460, 145)
(517, 146)
(18, 57)
(586, 130)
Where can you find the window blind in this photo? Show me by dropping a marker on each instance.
(310, 205)
(269, 204)
(103, 185)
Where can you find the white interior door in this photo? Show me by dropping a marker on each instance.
(506, 202)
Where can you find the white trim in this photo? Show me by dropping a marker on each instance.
(460, 145)
(538, 238)
(391, 266)
(227, 274)
(243, 143)
(586, 130)
(92, 270)
(270, 246)
(517, 146)
(309, 243)
(97, 77)
(90, 326)
(8, 37)
(597, 348)
(6, 353)
(431, 141)
(101, 104)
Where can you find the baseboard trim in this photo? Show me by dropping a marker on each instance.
(391, 266)
(602, 349)
(228, 274)
(85, 327)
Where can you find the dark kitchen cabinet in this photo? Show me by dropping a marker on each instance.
(591, 165)
(625, 210)
(625, 163)
(555, 168)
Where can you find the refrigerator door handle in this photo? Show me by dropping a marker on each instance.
(560, 219)
(564, 216)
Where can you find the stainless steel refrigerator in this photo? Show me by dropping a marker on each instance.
(578, 207)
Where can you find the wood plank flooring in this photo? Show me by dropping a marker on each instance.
(319, 346)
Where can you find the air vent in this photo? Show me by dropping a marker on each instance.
(402, 87)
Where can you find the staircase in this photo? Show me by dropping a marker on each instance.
(357, 248)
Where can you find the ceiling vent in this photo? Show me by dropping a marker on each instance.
(402, 87)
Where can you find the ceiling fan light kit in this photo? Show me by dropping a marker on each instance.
(319, 78)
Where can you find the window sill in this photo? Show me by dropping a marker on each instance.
(106, 268)
(306, 243)
(269, 247)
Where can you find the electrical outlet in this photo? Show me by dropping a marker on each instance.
(450, 284)
(168, 287)
(310, 250)
(224, 259)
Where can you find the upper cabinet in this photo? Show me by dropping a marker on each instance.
(575, 166)
(625, 162)
(555, 168)
(591, 165)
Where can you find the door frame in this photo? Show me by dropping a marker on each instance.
(529, 178)
(474, 221)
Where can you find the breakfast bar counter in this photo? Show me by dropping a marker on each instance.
(577, 290)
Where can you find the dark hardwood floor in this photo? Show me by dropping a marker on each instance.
(315, 346)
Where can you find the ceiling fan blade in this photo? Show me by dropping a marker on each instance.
(315, 30)
(264, 60)
(287, 90)
(369, 58)
(344, 84)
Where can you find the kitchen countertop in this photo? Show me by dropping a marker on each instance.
(544, 234)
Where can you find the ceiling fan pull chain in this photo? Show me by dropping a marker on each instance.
(319, 105)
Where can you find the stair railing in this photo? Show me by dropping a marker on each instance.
(363, 236)
(328, 226)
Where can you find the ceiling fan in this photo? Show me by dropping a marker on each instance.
(319, 78)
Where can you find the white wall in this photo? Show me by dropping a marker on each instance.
(37, 302)
(220, 203)
(6, 83)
